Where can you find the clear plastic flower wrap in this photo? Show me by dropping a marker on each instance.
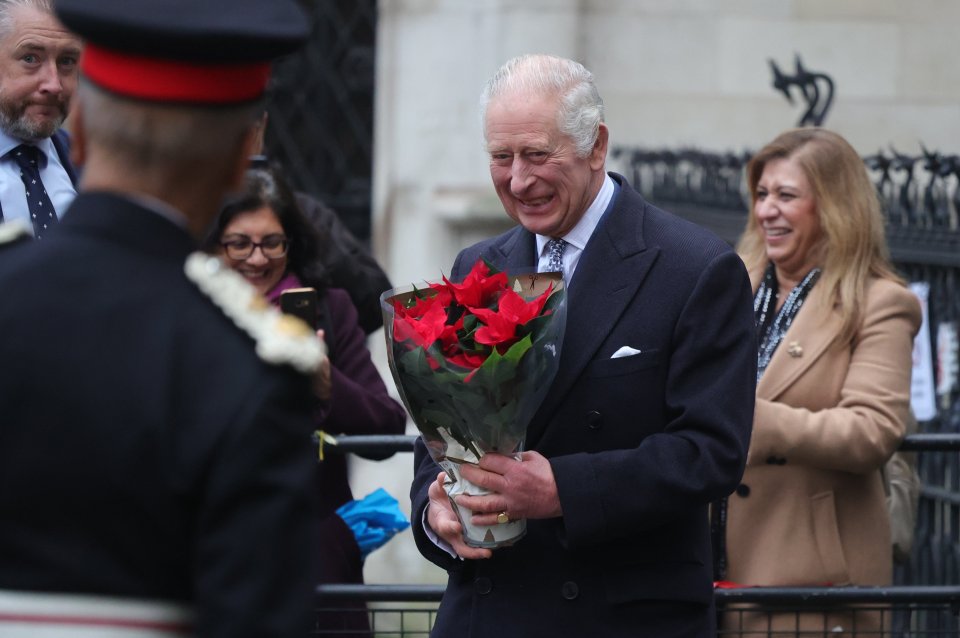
(472, 363)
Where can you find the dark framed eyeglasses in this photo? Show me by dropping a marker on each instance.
(240, 248)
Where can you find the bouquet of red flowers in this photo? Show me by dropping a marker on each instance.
(472, 362)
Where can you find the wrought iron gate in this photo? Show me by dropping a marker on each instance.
(321, 110)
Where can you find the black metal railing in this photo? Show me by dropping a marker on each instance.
(935, 556)
(911, 611)
(902, 612)
(939, 442)
(920, 195)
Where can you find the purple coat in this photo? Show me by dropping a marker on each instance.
(359, 404)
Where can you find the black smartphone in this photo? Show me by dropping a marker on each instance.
(302, 303)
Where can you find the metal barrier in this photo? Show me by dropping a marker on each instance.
(879, 612)
(934, 442)
(408, 611)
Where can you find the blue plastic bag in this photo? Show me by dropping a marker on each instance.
(374, 519)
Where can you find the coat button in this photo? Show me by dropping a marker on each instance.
(781, 461)
(771, 460)
(570, 590)
(743, 490)
(594, 419)
(484, 585)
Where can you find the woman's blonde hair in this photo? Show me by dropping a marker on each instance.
(853, 247)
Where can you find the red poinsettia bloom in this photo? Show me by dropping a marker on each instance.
(440, 297)
(467, 359)
(443, 296)
(500, 327)
(478, 287)
(474, 359)
(423, 329)
(460, 324)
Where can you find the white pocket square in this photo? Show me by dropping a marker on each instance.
(625, 351)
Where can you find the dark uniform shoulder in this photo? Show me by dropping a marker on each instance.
(280, 339)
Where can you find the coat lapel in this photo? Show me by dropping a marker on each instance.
(516, 253)
(612, 268)
(813, 330)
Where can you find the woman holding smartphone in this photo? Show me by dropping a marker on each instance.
(263, 236)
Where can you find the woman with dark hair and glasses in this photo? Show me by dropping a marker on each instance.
(263, 236)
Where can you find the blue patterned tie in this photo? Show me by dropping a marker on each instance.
(41, 209)
(555, 255)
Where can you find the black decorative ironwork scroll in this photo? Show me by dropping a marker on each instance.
(815, 87)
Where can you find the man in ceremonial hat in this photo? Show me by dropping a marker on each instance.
(155, 460)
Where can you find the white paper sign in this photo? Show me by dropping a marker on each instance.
(922, 397)
(948, 366)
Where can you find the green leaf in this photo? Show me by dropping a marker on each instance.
(493, 269)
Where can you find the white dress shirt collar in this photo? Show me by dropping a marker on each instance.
(580, 234)
(8, 143)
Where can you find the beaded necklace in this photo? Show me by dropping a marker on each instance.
(772, 326)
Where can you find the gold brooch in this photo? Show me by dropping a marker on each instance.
(794, 349)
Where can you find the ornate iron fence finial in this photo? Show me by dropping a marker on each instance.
(818, 101)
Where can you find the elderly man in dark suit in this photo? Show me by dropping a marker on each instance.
(649, 416)
(156, 472)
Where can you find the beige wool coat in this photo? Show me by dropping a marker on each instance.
(811, 506)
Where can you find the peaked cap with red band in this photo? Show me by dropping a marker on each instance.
(183, 51)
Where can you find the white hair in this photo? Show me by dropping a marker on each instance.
(6, 13)
(580, 111)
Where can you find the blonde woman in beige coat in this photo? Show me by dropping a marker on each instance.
(836, 328)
